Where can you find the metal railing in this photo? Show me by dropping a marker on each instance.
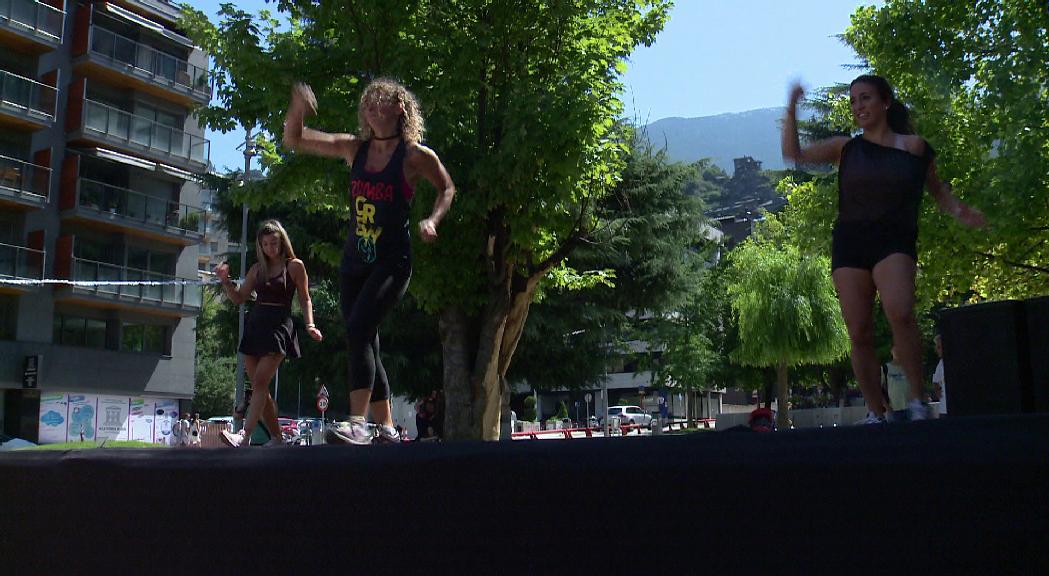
(161, 66)
(21, 262)
(139, 207)
(31, 15)
(24, 178)
(141, 131)
(27, 96)
(186, 295)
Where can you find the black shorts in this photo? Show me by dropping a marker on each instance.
(864, 244)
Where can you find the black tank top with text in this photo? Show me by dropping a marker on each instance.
(379, 212)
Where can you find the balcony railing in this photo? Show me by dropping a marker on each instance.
(32, 16)
(28, 97)
(21, 262)
(132, 129)
(163, 68)
(25, 179)
(186, 295)
(139, 207)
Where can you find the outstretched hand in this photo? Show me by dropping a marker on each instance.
(222, 272)
(796, 93)
(302, 95)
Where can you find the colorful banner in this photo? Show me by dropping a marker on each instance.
(166, 412)
(82, 412)
(112, 418)
(141, 418)
(54, 418)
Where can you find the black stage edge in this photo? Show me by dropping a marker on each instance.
(959, 496)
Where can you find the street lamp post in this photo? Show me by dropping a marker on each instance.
(249, 151)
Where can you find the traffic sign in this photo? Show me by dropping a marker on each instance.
(323, 392)
(588, 397)
(322, 403)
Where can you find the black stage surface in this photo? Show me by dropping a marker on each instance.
(962, 495)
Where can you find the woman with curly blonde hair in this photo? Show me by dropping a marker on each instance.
(386, 159)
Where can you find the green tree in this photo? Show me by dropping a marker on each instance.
(977, 79)
(216, 360)
(521, 99)
(651, 246)
(785, 307)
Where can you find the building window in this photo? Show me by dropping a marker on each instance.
(77, 331)
(149, 338)
(8, 314)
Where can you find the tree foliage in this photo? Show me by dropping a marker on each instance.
(651, 246)
(785, 307)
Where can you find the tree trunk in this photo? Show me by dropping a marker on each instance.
(457, 352)
(477, 395)
(783, 396)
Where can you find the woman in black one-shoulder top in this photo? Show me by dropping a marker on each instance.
(881, 177)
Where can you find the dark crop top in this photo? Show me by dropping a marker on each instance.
(278, 290)
(881, 184)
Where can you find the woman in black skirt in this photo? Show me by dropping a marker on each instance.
(269, 334)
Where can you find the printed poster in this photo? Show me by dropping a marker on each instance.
(82, 412)
(141, 419)
(53, 418)
(112, 421)
(166, 413)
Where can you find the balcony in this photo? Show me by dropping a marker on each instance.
(98, 123)
(23, 185)
(133, 212)
(166, 299)
(32, 26)
(150, 70)
(24, 103)
(20, 263)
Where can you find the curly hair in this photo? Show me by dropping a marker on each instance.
(387, 89)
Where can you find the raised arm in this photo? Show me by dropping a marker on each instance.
(235, 294)
(302, 139)
(822, 152)
(302, 282)
(951, 204)
(425, 163)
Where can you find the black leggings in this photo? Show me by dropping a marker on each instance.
(365, 300)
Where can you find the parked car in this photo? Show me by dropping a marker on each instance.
(631, 415)
(11, 443)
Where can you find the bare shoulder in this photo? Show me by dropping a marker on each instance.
(296, 265)
(348, 147)
(914, 144)
(419, 154)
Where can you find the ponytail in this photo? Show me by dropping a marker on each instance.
(898, 117)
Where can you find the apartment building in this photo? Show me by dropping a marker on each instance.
(99, 159)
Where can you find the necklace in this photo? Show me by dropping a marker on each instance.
(391, 137)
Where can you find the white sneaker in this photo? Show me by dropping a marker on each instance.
(872, 418)
(916, 410)
(231, 439)
(388, 435)
(353, 432)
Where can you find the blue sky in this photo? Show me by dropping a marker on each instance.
(713, 57)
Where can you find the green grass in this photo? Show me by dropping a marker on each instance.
(93, 444)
